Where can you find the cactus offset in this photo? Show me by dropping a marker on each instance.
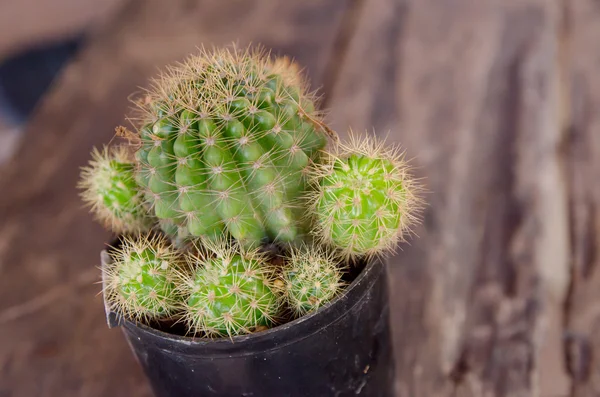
(229, 291)
(365, 199)
(226, 141)
(312, 278)
(109, 188)
(140, 280)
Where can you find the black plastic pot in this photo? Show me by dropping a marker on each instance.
(344, 349)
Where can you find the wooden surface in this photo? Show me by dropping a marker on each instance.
(496, 101)
(33, 22)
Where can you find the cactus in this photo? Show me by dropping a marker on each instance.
(140, 280)
(230, 165)
(365, 199)
(311, 278)
(229, 291)
(226, 141)
(109, 188)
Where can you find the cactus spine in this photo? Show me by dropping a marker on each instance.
(365, 199)
(312, 278)
(109, 188)
(226, 141)
(229, 291)
(140, 281)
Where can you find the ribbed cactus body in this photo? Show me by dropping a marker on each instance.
(109, 188)
(365, 200)
(140, 280)
(229, 293)
(226, 142)
(312, 279)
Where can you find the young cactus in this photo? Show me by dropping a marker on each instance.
(229, 291)
(311, 278)
(365, 199)
(140, 280)
(109, 188)
(226, 141)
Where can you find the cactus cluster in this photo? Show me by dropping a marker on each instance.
(236, 209)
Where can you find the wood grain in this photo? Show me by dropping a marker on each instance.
(51, 321)
(471, 91)
(582, 147)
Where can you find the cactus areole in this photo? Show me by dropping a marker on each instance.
(248, 257)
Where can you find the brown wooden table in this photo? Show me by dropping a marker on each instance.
(499, 104)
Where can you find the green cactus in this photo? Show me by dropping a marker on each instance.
(311, 279)
(226, 141)
(229, 163)
(230, 291)
(109, 188)
(140, 281)
(365, 199)
(169, 228)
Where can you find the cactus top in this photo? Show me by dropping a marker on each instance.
(109, 188)
(226, 141)
(141, 280)
(229, 291)
(312, 278)
(365, 200)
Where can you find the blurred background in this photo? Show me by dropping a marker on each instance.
(38, 39)
(495, 101)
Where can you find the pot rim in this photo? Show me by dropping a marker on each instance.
(272, 338)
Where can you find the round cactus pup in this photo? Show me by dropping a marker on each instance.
(110, 189)
(140, 281)
(229, 291)
(311, 278)
(226, 140)
(365, 199)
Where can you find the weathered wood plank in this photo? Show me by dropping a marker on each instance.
(582, 148)
(51, 321)
(471, 90)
